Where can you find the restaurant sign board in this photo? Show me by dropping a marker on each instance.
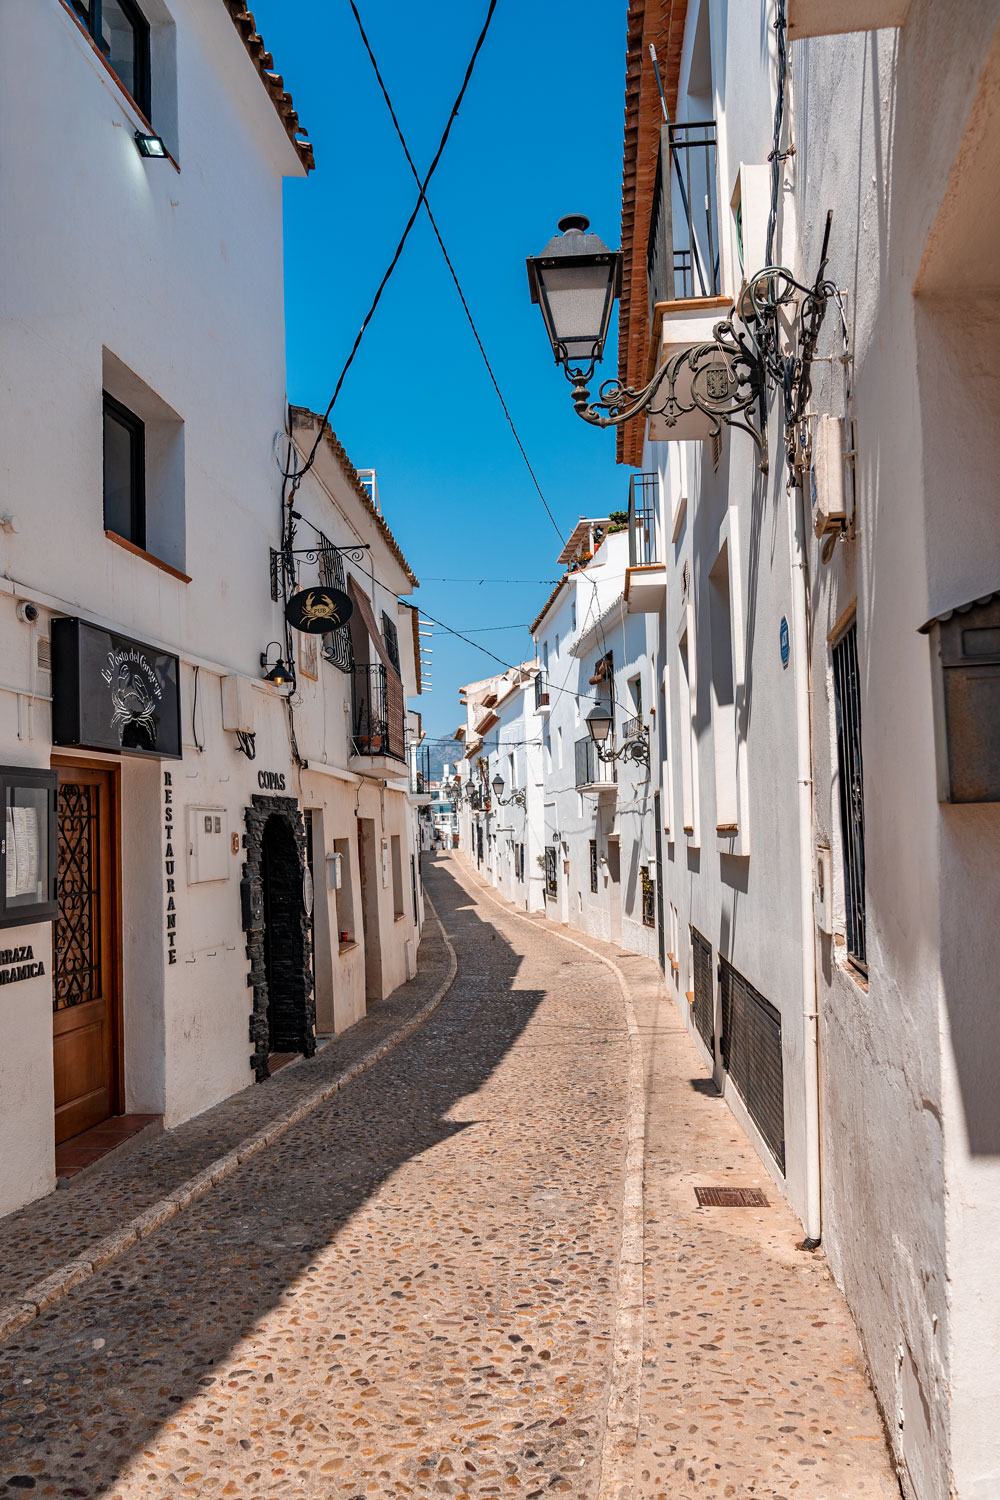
(110, 692)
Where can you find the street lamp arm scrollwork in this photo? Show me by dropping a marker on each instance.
(722, 377)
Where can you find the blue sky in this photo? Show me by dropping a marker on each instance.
(539, 135)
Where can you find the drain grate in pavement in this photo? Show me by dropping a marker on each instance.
(730, 1197)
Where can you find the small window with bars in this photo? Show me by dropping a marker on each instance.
(847, 693)
(391, 637)
(648, 898)
(337, 647)
(593, 864)
(551, 885)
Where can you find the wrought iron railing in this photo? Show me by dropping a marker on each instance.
(378, 717)
(682, 258)
(541, 691)
(590, 769)
(420, 771)
(632, 728)
(643, 521)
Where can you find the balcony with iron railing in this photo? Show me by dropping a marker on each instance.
(592, 773)
(632, 728)
(683, 275)
(541, 692)
(420, 775)
(646, 576)
(378, 716)
(682, 260)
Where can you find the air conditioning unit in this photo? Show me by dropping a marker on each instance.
(828, 477)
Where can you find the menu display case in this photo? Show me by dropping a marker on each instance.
(28, 846)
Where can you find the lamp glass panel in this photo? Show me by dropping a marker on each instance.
(599, 724)
(578, 304)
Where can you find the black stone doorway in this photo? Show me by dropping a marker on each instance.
(278, 932)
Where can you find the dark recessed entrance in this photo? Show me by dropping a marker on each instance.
(278, 932)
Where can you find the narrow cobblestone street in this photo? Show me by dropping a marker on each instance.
(415, 1289)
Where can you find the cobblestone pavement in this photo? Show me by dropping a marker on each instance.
(412, 1292)
(754, 1384)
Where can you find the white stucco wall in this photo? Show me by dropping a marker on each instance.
(165, 286)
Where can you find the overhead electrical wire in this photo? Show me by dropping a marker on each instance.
(448, 262)
(402, 241)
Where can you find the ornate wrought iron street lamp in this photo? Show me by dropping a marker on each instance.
(518, 794)
(575, 281)
(600, 724)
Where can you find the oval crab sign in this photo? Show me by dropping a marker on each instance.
(318, 610)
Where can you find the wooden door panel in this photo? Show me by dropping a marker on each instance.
(85, 968)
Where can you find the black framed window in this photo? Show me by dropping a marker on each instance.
(121, 32)
(593, 864)
(124, 472)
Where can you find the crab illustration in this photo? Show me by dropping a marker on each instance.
(133, 705)
(322, 609)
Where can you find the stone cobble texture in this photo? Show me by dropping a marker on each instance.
(754, 1385)
(39, 1239)
(411, 1292)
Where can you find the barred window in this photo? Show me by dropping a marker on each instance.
(648, 898)
(551, 887)
(337, 647)
(391, 637)
(593, 864)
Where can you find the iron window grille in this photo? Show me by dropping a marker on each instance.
(337, 646)
(121, 33)
(551, 886)
(541, 690)
(704, 988)
(847, 692)
(593, 865)
(648, 898)
(391, 637)
(751, 1055)
(124, 473)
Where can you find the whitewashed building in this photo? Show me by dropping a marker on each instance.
(830, 639)
(208, 854)
(598, 814)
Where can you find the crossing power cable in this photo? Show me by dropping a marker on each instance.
(448, 262)
(296, 479)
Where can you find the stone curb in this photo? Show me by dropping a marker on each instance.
(45, 1294)
(621, 1433)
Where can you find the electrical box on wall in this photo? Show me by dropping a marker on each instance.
(824, 889)
(829, 481)
(237, 704)
(965, 662)
(208, 844)
(334, 871)
(385, 864)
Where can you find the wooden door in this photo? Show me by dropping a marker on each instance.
(85, 961)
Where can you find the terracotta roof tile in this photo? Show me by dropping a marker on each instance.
(301, 416)
(547, 605)
(662, 23)
(245, 24)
